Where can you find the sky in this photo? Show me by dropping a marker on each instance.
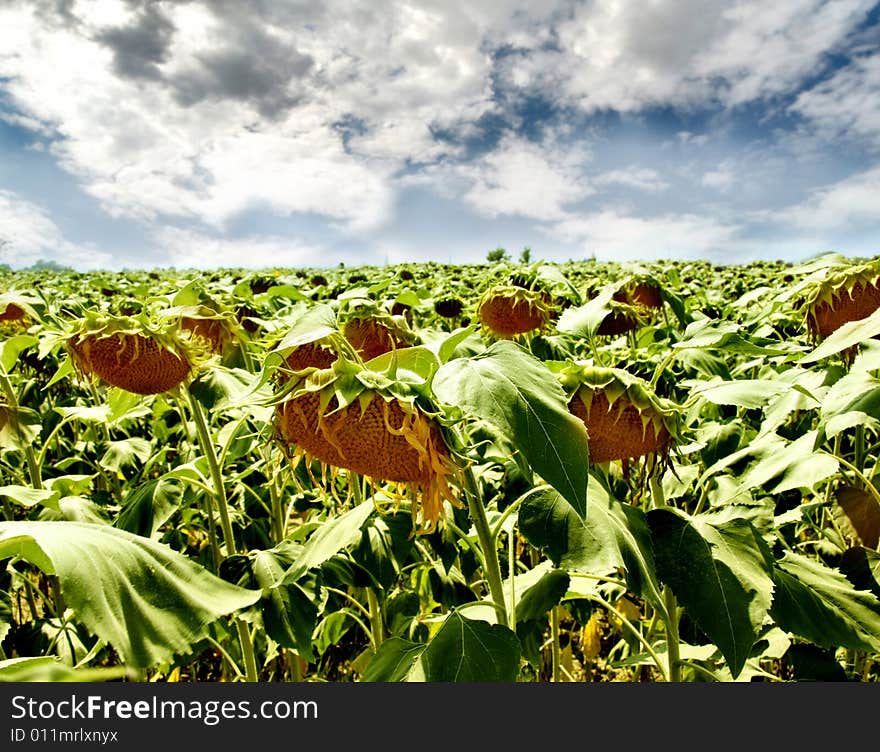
(305, 133)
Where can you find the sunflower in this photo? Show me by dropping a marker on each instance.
(844, 293)
(350, 418)
(127, 353)
(508, 311)
(625, 418)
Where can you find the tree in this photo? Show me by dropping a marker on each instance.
(499, 254)
(526, 256)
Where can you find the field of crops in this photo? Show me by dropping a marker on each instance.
(535, 472)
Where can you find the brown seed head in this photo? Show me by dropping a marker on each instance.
(130, 361)
(846, 304)
(383, 441)
(510, 311)
(617, 432)
(371, 337)
(12, 313)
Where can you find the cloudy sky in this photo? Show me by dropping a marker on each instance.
(199, 133)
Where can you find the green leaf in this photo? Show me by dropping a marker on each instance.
(851, 333)
(149, 506)
(820, 604)
(518, 395)
(11, 348)
(796, 466)
(49, 669)
(720, 572)
(317, 322)
(748, 393)
(19, 427)
(27, 497)
(416, 364)
(585, 320)
(289, 614)
(726, 336)
(384, 545)
(464, 650)
(331, 538)
(613, 537)
(126, 453)
(220, 387)
(542, 596)
(146, 600)
(393, 661)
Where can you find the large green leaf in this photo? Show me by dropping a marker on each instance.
(851, 333)
(748, 393)
(394, 660)
(795, 466)
(720, 571)
(518, 395)
(49, 669)
(464, 650)
(823, 606)
(289, 614)
(126, 453)
(330, 539)
(613, 537)
(149, 506)
(585, 320)
(146, 600)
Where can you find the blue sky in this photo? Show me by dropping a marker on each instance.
(189, 133)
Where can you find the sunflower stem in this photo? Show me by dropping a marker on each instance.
(30, 457)
(859, 460)
(487, 544)
(669, 601)
(554, 642)
(207, 446)
(377, 628)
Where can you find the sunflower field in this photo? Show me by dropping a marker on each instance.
(510, 472)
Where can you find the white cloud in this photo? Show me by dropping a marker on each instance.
(721, 178)
(189, 249)
(31, 235)
(526, 179)
(846, 104)
(614, 235)
(639, 178)
(837, 208)
(625, 56)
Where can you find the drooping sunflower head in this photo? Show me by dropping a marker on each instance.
(18, 310)
(625, 418)
(130, 353)
(632, 305)
(210, 330)
(449, 307)
(508, 311)
(371, 329)
(840, 293)
(352, 419)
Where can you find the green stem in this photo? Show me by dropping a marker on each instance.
(860, 447)
(658, 372)
(869, 487)
(377, 628)
(661, 666)
(511, 561)
(490, 553)
(30, 457)
(207, 446)
(554, 645)
(669, 601)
